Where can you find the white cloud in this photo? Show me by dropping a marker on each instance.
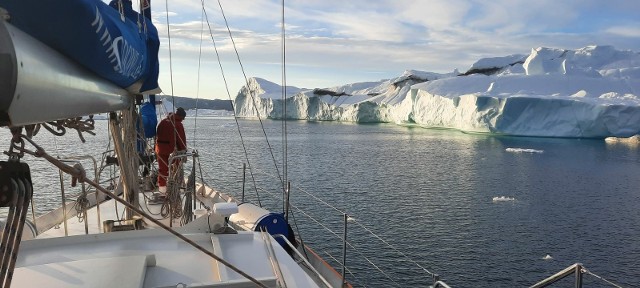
(345, 41)
(433, 15)
(626, 31)
(364, 25)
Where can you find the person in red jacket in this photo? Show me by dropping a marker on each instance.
(170, 137)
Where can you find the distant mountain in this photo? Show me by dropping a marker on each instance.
(192, 103)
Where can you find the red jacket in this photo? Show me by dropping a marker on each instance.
(168, 129)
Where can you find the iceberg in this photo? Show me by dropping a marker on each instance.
(590, 92)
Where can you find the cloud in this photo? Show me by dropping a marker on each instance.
(626, 31)
(363, 26)
(347, 41)
(432, 15)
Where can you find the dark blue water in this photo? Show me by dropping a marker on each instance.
(428, 193)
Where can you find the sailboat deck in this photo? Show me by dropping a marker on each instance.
(150, 257)
(108, 211)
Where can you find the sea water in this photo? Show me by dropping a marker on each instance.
(418, 196)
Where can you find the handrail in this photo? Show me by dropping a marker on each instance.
(577, 268)
(293, 248)
(275, 265)
(440, 284)
(76, 160)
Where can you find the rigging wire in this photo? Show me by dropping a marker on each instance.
(284, 175)
(348, 244)
(601, 278)
(195, 124)
(360, 225)
(296, 208)
(226, 85)
(81, 176)
(284, 104)
(252, 96)
(166, 5)
(173, 100)
(285, 148)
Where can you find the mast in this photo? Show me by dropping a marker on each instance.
(124, 139)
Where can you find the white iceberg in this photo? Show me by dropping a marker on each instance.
(588, 93)
(503, 199)
(523, 150)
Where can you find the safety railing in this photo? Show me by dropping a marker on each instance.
(361, 256)
(303, 258)
(275, 265)
(439, 283)
(83, 202)
(576, 269)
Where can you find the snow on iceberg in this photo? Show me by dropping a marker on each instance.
(588, 93)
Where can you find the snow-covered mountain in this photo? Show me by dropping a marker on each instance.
(591, 92)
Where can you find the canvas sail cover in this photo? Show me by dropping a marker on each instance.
(115, 42)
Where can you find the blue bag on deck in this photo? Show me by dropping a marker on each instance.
(118, 44)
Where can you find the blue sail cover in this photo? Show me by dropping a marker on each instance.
(106, 40)
(149, 118)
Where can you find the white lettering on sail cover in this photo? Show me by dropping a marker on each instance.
(125, 58)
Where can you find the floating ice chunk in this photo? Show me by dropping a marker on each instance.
(503, 199)
(547, 257)
(523, 150)
(580, 93)
(633, 141)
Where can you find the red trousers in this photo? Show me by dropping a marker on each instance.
(163, 169)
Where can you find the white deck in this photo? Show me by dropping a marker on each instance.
(150, 258)
(108, 210)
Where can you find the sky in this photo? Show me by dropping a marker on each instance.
(331, 43)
